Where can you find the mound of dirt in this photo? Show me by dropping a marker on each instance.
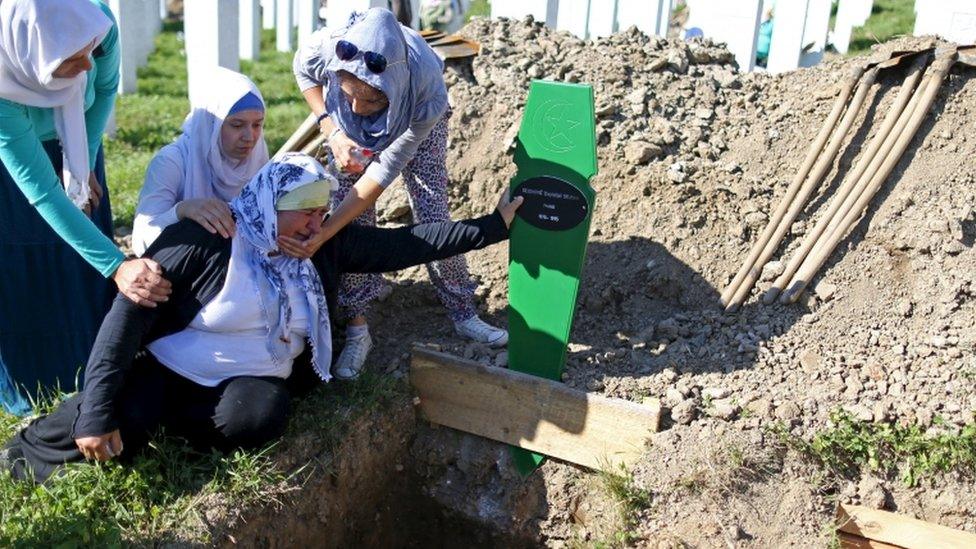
(692, 158)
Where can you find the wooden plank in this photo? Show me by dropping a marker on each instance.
(457, 51)
(850, 541)
(531, 412)
(445, 40)
(432, 35)
(900, 530)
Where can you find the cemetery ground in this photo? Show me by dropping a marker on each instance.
(863, 393)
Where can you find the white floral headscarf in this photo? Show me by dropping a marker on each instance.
(257, 224)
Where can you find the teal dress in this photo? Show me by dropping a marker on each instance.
(54, 260)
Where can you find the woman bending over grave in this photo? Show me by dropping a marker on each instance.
(59, 72)
(378, 92)
(245, 325)
(222, 146)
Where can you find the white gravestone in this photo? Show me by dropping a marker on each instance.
(284, 21)
(953, 20)
(211, 33)
(250, 27)
(643, 14)
(664, 17)
(734, 22)
(138, 24)
(789, 20)
(815, 32)
(268, 13)
(546, 11)
(307, 16)
(850, 14)
(603, 19)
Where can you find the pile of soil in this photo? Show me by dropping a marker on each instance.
(692, 158)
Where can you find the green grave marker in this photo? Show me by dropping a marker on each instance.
(556, 157)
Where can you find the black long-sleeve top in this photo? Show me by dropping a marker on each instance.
(195, 261)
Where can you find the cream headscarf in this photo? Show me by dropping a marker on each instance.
(36, 36)
(208, 173)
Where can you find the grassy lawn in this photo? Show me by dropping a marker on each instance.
(889, 18)
(164, 493)
(152, 117)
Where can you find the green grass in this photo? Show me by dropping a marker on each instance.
(152, 117)
(478, 8)
(889, 449)
(889, 18)
(165, 493)
(630, 501)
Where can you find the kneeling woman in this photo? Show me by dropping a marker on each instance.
(218, 359)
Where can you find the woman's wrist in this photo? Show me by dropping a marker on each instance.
(335, 131)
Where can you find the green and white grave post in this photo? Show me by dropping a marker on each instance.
(556, 157)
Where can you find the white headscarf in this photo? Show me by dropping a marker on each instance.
(36, 36)
(208, 173)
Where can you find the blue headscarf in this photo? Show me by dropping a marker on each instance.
(411, 64)
(257, 224)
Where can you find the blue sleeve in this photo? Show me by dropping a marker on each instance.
(106, 86)
(28, 164)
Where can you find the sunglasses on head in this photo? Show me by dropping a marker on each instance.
(375, 62)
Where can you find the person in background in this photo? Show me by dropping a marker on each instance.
(218, 363)
(377, 86)
(439, 15)
(765, 38)
(59, 67)
(222, 146)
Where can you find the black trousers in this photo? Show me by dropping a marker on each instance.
(241, 412)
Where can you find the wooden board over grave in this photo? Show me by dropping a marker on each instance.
(531, 412)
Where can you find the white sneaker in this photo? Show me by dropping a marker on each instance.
(482, 332)
(353, 356)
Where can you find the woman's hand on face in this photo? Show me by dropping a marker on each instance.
(507, 207)
(211, 213)
(141, 280)
(102, 447)
(342, 148)
(303, 249)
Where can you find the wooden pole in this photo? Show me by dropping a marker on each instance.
(861, 171)
(823, 165)
(928, 91)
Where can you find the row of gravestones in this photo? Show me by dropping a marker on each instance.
(800, 27)
(735, 22)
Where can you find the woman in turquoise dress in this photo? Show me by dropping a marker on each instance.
(59, 64)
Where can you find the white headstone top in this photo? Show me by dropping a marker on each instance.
(953, 20)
